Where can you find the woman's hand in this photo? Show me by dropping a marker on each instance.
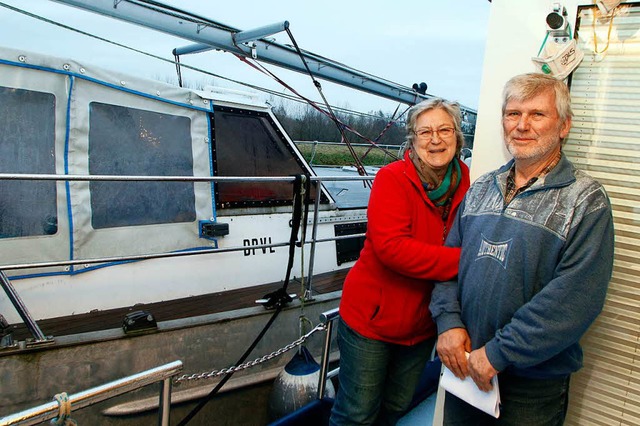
(452, 347)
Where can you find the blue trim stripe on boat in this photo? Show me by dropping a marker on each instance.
(103, 83)
(66, 171)
(100, 266)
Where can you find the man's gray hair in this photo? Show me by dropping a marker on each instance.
(525, 86)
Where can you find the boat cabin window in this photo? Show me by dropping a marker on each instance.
(129, 141)
(27, 120)
(248, 143)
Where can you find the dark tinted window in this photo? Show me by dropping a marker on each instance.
(247, 143)
(27, 120)
(127, 141)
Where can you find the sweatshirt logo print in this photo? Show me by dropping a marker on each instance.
(498, 251)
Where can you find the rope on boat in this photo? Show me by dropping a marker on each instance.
(305, 193)
(64, 411)
(358, 164)
(244, 366)
(328, 111)
(277, 299)
(176, 62)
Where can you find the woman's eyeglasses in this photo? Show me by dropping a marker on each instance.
(427, 134)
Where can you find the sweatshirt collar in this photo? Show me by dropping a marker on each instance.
(561, 175)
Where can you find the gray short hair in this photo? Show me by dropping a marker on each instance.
(451, 108)
(525, 86)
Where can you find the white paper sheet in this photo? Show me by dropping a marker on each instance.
(466, 389)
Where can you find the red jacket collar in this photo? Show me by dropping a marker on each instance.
(412, 174)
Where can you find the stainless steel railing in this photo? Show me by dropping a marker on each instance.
(39, 337)
(51, 410)
(54, 177)
(327, 319)
(17, 302)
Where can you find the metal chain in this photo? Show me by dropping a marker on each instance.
(249, 364)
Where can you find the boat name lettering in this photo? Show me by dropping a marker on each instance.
(257, 242)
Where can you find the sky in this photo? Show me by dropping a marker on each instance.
(408, 41)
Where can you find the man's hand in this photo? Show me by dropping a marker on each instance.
(481, 370)
(452, 345)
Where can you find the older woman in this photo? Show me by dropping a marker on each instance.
(386, 333)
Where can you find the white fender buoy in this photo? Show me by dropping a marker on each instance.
(296, 385)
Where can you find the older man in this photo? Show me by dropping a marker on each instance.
(537, 256)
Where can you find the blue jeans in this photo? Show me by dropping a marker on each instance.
(377, 379)
(524, 402)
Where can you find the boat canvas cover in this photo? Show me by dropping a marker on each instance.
(62, 117)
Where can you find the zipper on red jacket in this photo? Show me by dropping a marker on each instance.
(445, 217)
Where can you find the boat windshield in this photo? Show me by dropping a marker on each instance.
(347, 194)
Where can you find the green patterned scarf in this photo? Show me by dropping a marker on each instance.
(440, 192)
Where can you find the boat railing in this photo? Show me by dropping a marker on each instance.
(386, 148)
(21, 308)
(328, 143)
(318, 410)
(112, 259)
(325, 325)
(39, 338)
(327, 318)
(62, 407)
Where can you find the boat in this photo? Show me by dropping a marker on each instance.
(131, 289)
(603, 141)
(146, 223)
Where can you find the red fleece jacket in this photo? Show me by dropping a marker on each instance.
(386, 294)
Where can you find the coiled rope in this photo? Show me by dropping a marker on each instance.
(64, 411)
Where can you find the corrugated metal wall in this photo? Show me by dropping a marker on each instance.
(605, 142)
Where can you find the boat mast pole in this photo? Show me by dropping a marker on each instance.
(208, 34)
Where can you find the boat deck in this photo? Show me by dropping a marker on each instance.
(422, 414)
(178, 308)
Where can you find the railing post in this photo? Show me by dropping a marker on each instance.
(164, 406)
(50, 410)
(327, 319)
(313, 152)
(21, 308)
(308, 293)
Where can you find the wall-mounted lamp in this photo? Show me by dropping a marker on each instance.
(559, 54)
(557, 24)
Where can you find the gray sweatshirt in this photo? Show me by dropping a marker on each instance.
(533, 275)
